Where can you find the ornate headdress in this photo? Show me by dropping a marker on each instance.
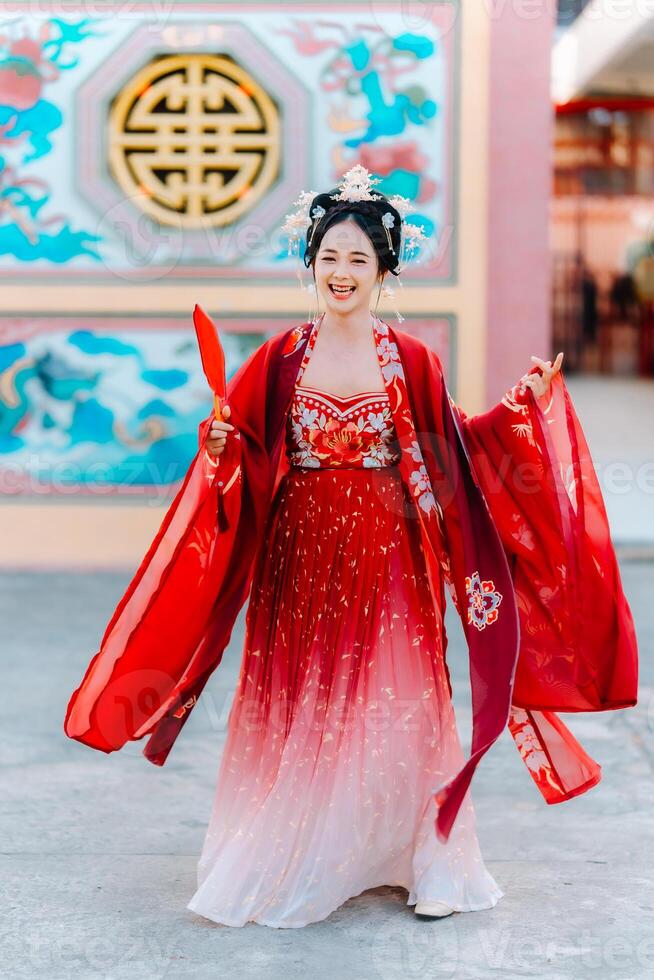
(356, 188)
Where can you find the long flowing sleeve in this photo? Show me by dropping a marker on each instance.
(578, 647)
(169, 629)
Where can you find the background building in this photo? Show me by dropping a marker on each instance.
(603, 205)
(148, 156)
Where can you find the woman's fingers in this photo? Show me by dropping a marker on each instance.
(547, 366)
(539, 383)
(536, 383)
(217, 436)
(218, 427)
(216, 445)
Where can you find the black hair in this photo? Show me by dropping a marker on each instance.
(368, 216)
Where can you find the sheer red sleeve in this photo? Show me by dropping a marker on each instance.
(578, 648)
(170, 628)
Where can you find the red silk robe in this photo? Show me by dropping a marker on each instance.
(513, 523)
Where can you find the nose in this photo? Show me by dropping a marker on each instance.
(341, 271)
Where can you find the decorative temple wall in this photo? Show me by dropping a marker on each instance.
(148, 156)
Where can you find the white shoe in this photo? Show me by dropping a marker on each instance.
(432, 910)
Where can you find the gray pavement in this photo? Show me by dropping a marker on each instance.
(99, 851)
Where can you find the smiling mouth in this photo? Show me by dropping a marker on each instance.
(341, 290)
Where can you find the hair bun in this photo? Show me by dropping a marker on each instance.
(380, 220)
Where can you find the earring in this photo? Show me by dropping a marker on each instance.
(390, 294)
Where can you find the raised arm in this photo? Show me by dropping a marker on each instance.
(507, 454)
(578, 649)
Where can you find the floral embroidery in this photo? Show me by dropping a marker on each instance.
(530, 749)
(293, 341)
(391, 367)
(516, 400)
(185, 707)
(422, 488)
(420, 482)
(522, 533)
(359, 432)
(483, 601)
(389, 358)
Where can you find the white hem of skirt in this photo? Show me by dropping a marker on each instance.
(494, 898)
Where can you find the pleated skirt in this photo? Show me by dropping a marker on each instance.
(342, 724)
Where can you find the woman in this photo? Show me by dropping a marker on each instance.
(349, 494)
(341, 622)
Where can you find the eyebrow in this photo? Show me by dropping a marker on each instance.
(353, 252)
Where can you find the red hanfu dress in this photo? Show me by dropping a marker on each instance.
(341, 740)
(342, 723)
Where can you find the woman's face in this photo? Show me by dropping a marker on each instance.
(347, 259)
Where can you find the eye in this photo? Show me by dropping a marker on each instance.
(329, 258)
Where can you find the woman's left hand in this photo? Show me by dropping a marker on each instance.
(539, 383)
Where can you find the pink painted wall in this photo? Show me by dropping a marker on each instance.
(520, 139)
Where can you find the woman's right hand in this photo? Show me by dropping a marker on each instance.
(217, 436)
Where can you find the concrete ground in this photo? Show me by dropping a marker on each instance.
(99, 852)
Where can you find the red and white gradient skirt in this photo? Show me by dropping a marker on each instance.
(342, 724)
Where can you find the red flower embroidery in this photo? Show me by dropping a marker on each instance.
(293, 341)
(336, 440)
(483, 601)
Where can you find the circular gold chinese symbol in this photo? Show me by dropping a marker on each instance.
(194, 140)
